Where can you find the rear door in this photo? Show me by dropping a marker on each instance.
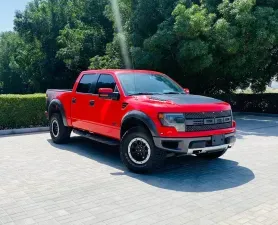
(83, 102)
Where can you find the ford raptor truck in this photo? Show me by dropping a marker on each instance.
(146, 113)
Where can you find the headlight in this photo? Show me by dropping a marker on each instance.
(176, 120)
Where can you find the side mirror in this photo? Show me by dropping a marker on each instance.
(186, 90)
(105, 90)
(107, 93)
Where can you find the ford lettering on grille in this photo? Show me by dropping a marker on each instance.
(208, 121)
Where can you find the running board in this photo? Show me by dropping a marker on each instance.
(96, 137)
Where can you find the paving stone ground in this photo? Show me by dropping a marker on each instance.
(85, 183)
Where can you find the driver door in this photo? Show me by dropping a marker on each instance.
(108, 117)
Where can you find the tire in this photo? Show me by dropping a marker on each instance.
(213, 155)
(150, 157)
(60, 134)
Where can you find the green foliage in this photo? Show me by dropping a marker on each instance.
(209, 46)
(53, 41)
(10, 75)
(86, 37)
(215, 50)
(258, 103)
(112, 58)
(20, 111)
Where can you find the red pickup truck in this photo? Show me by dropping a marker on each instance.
(146, 113)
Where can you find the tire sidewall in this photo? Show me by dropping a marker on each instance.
(53, 120)
(61, 135)
(127, 138)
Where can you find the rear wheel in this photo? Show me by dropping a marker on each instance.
(138, 151)
(58, 131)
(213, 155)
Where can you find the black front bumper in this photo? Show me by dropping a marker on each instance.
(194, 145)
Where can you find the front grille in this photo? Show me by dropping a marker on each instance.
(206, 115)
(208, 127)
(205, 121)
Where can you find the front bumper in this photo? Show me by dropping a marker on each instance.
(191, 146)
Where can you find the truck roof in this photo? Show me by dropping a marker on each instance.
(118, 71)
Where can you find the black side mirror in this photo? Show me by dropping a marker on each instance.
(115, 96)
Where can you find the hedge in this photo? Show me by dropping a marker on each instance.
(22, 111)
(257, 103)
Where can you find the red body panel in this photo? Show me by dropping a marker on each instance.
(65, 98)
(106, 116)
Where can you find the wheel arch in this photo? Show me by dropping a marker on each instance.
(137, 118)
(56, 106)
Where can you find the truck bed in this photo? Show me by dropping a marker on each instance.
(63, 95)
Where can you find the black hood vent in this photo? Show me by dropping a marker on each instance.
(124, 105)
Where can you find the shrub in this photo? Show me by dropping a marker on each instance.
(21, 111)
(257, 103)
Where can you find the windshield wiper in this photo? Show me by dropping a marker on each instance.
(172, 93)
(142, 93)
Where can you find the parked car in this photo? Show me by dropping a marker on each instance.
(146, 113)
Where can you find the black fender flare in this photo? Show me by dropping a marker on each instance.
(56, 103)
(144, 118)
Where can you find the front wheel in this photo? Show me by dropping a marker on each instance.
(213, 155)
(138, 151)
(58, 131)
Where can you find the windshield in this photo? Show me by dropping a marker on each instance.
(142, 83)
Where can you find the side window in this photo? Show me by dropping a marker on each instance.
(106, 81)
(87, 83)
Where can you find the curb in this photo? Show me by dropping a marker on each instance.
(24, 131)
(254, 114)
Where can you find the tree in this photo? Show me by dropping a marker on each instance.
(117, 54)
(210, 46)
(10, 75)
(86, 36)
(68, 33)
(214, 52)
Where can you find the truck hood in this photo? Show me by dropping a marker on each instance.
(183, 99)
(182, 102)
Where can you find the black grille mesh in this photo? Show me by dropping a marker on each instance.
(208, 127)
(207, 115)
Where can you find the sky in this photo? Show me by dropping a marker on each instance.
(7, 12)
(275, 84)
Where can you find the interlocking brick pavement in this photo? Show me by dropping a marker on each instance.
(85, 183)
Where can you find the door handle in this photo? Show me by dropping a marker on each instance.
(92, 102)
(73, 100)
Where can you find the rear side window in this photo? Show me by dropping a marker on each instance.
(87, 83)
(106, 81)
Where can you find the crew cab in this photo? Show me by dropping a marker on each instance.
(146, 113)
